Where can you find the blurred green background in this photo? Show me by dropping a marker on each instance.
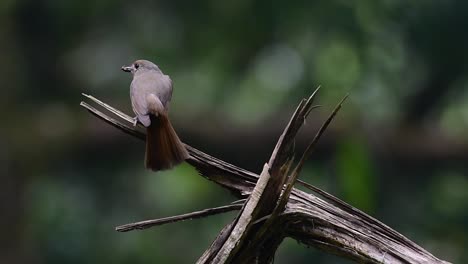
(398, 150)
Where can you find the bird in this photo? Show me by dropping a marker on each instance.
(150, 95)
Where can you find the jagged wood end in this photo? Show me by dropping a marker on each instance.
(110, 109)
(297, 170)
(289, 179)
(280, 162)
(172, 219)
(280, 155)
(283, 153)
(295, 173)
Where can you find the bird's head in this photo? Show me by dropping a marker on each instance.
(140, 66)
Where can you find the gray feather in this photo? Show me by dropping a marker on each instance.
(146, 82)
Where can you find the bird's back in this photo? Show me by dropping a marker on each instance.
(146, 83)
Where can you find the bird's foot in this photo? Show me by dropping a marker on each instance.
(135, 121)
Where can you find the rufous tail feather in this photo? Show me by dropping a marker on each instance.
(164, 149)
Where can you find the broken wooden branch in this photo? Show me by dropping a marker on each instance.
(316, 219)
(172, 219)
(256, 243)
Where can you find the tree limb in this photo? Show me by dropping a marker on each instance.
(326, 223)
(172, 219)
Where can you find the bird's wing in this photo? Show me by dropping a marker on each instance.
(165, 90)
(145, 89)
(138, 100)
(138, 105)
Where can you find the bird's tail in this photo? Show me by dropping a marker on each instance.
(163, 147)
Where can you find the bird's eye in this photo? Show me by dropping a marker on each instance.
(136, 65)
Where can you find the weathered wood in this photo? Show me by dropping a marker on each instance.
(172, 219)
(316, 219)
(260, 239)
(251, 210)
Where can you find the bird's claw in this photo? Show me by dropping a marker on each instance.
(135, 121)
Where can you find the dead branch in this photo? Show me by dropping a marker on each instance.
(274, 209)
(172, 219)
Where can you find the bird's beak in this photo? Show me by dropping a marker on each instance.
(127, 68)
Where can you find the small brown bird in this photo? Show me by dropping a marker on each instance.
(150, 93)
